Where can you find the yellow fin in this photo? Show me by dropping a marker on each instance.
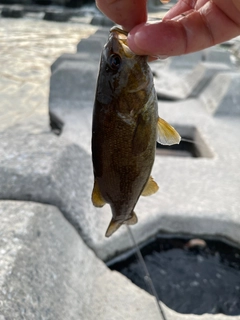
(113, 226)
(150, 188)
(132, 220)
(97, 198)
(167, 135)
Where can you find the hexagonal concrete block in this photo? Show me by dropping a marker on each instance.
(13, 12)
(103, 21)
(186, 61)
(74, 80)
(48, 272)
(57, 15)
(91, 46)
(42, 167)
(183, 203)
(222, 97)
(77, 57)
(217, 55)
(170, 85)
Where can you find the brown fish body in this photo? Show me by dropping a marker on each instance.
(124, 130)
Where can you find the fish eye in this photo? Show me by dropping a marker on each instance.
(115, 62)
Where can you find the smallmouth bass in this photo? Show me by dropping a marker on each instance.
(125, 129)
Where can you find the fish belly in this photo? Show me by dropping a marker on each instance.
(123, 150)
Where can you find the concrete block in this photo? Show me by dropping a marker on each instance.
(214, 54)
(217, 55)
(196, 195)
(74, 80)
(222, 97)
(91, 46)
(186, 201)
(103, 31)
(57, 15)
(48, 272)
(94, 44)
(209, 70)
(103, 21)
(169, 85)
(72, 91)
(236, 52)
(42, 167)
(103, 38)
(77, 57)
(187, 61)
(12, 12)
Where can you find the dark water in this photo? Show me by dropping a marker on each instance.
(189, 278)
(183, 149)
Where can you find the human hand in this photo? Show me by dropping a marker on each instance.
(189, 26)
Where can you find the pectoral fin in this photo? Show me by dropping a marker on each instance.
(97, 198)
(113, 226)
(167, 135)
(150, 188)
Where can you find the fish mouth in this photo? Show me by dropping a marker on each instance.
(118, 33)
(118, 38)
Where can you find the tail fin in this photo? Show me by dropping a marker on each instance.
(113, 226)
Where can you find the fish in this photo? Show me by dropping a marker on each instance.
(125, 128)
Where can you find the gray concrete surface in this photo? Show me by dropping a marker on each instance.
(221, 96)
(48, 271)
(202, 201)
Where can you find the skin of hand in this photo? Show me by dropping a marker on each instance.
(189, 26)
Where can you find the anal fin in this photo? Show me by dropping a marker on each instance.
(132, 220)
(167, 135)
(97, 198)
(150, 188)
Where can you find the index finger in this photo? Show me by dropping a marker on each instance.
(127, 13)
(216, 21)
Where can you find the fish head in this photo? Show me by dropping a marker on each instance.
(121, 71)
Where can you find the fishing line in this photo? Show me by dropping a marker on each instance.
(147, 277)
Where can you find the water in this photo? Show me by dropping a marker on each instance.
(189, 278)
(28, 48)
